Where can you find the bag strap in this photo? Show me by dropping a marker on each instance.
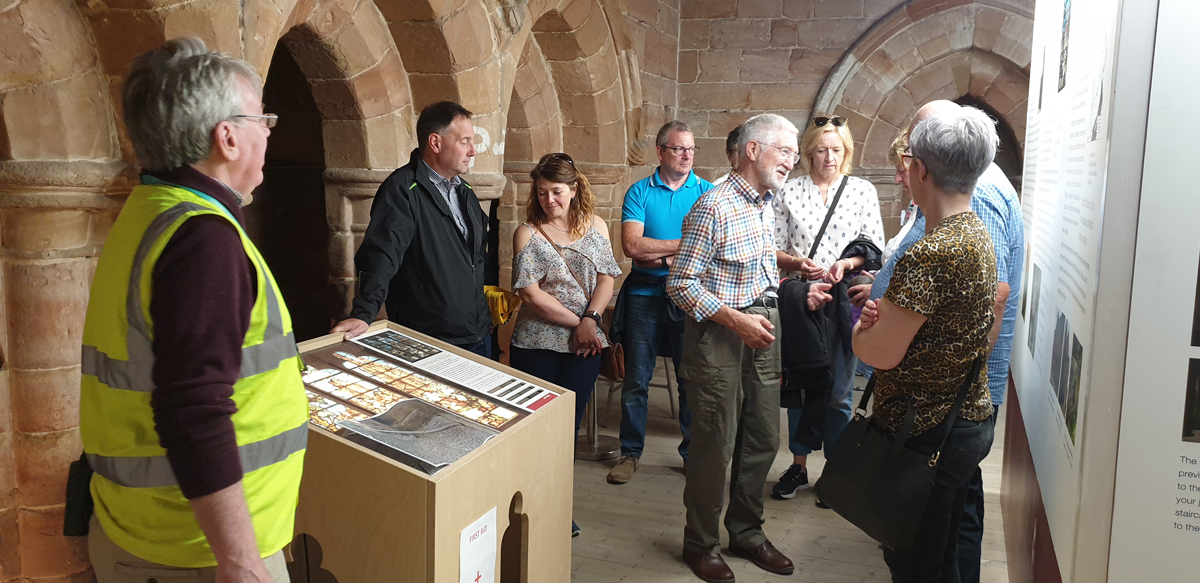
(812, 251)
(958, 403)
(578, 281)
(910, 418)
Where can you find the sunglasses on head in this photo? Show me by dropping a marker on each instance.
(560, 156)
(835, 120)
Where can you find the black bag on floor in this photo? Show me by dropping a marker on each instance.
(875, 482)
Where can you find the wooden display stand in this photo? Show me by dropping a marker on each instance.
(376, 520)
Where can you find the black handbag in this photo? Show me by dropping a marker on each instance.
(875, 482)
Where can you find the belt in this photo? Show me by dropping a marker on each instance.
(765, 302)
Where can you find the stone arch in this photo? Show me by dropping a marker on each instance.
(578, 45)
(535, 123)
(923, 51)
(361, 88)
(456, 50)
(53, 95)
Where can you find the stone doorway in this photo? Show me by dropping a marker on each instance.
(287, 220)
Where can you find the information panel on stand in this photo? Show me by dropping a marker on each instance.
(1066, 158)
(1156, 511)
(412, 401)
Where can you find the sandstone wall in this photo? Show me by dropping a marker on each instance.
(872, 61)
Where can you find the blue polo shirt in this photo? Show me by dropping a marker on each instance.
(660, 210)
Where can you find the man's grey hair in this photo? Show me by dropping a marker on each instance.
(956, 147)
(176, 95)
(760, 129)
(665, 132)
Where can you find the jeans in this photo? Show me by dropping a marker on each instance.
(564, 369)
(841, 404)
(970, 532)
(735, 400)
(933, 556)
(647, 326)
(482, 348)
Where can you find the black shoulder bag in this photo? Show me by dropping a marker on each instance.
(875, 482)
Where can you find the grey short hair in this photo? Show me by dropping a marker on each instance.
(956, 147)
(665, 132)
(175, 95)
(760, 127)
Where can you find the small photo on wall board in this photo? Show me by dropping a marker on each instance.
(1036, 291)
(1191, 403)
(1196, 314)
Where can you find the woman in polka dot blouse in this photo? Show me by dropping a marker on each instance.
(826, 151)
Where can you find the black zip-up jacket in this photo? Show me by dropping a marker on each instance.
(414, 261)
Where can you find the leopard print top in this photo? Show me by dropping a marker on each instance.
(949, 276)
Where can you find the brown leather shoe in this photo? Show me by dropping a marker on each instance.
(766, 557)
(709, 567)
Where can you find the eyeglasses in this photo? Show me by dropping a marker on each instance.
(907, 158)
(268, 119)
(680, 150)
(835, 120)
(788, 154)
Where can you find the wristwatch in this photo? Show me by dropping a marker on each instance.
(593, 314)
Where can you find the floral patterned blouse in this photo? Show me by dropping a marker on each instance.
(799, 212)
(540, 263)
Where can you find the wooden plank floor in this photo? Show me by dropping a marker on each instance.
(634, 532)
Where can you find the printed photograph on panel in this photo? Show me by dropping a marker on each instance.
(1066, 37)
(399, 346)
(1025, 275)
(1196, 314)
(1036, 291)
(1056, 356)
(1063, 349)
(1071, 407)
(1191, 403)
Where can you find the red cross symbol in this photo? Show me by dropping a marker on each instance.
(478, 576)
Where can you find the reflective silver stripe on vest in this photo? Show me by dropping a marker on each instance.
(155, 472)
(135, 374)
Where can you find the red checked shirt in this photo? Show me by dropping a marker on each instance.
(727, 254)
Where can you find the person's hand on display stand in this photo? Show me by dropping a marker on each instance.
(353, 327)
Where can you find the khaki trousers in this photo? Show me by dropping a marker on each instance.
(113, 564)
(733, 392)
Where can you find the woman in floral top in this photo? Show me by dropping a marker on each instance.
(564, 271)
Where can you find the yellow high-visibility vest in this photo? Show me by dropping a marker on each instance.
(138, 502)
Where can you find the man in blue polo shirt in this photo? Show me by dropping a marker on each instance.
(651, 226)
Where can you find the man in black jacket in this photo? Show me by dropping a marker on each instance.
(424, 250)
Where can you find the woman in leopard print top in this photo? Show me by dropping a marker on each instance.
(931, 325)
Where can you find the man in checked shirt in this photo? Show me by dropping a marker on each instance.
(725, 278)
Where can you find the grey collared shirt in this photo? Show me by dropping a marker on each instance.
(447, 186)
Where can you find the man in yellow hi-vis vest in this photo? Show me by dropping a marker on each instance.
(193, 414)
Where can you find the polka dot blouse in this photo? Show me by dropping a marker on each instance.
(799, 213)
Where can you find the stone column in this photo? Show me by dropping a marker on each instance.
(349, 193)
(54, 217)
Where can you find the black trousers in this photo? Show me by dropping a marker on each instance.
(933, 556)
